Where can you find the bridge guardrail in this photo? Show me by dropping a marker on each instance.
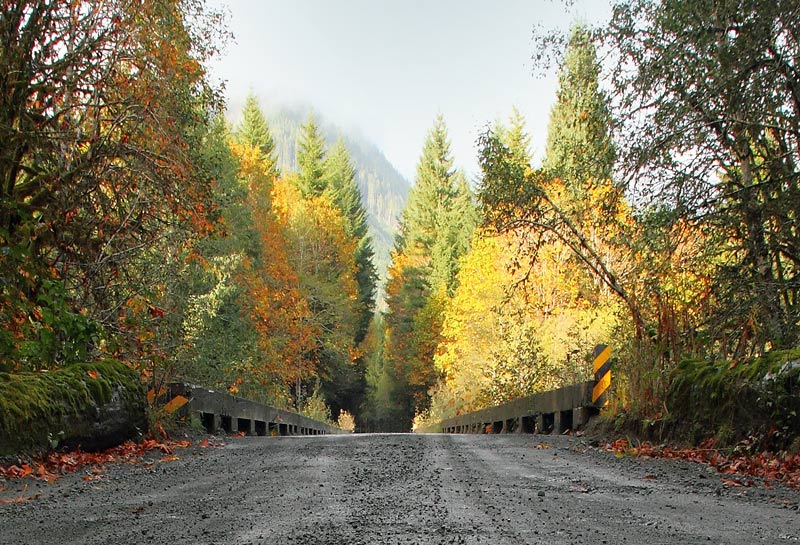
(222, 411)
(554, 411)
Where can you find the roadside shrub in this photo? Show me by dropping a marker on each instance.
(757, 400)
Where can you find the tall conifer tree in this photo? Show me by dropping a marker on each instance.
(311, 159)
(436, 227)
(440, 216)
(579, 146)
(517, 139)
(432, 192)
(254, 131)
(345, 194)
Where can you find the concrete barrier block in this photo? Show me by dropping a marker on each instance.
(580, 417)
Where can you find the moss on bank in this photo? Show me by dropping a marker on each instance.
(88, 404)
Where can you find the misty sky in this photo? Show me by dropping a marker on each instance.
(387, 68)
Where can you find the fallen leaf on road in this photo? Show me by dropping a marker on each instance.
(19, 499)
(732, 482)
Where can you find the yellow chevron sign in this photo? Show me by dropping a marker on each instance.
(602, 373)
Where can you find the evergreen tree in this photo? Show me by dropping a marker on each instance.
(340, 185)
(435, 231)
(517, 139)
(432, 191)
(455, 228)
(579, 147)
(440, 216)
(311, 160)
(345, 194)
(254, 131)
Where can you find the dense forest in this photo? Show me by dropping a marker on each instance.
(384, 190)
(137, 223)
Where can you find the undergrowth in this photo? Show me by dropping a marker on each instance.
(755, 401)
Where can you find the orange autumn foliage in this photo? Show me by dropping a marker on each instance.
(322, 256)
(274, 301)
(54, 465)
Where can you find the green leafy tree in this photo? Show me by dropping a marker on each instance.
(218, 336)
(709, 95)
(410, 376)
(95, 168)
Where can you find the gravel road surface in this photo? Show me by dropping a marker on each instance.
(400, 489)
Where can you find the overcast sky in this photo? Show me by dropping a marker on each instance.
(387, 67)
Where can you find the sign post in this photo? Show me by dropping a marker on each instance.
(602, 374)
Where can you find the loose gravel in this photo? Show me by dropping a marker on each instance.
(399, 489)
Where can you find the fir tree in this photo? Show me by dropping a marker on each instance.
(435, 231)
(254, 131)
(311, 159)
(344, 192)
(432, 192)
(454, 232)
(517, 139)
(440, 215)
(579, 147)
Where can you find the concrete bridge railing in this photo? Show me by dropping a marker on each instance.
(548, 412)
(222, 411)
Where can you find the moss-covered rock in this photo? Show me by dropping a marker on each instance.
(92, 405)
(758, 399)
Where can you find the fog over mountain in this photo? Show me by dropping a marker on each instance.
(383, 189)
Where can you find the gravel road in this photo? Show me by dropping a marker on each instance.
(400, 489)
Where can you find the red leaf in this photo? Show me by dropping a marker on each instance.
(732, 482)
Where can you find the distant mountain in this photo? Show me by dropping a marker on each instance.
(383, 189)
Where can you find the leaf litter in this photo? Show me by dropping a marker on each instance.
(54, 465)
(739, 468)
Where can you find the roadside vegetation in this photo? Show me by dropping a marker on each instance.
(137, 225)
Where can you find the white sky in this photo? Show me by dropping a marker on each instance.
(387, 67)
